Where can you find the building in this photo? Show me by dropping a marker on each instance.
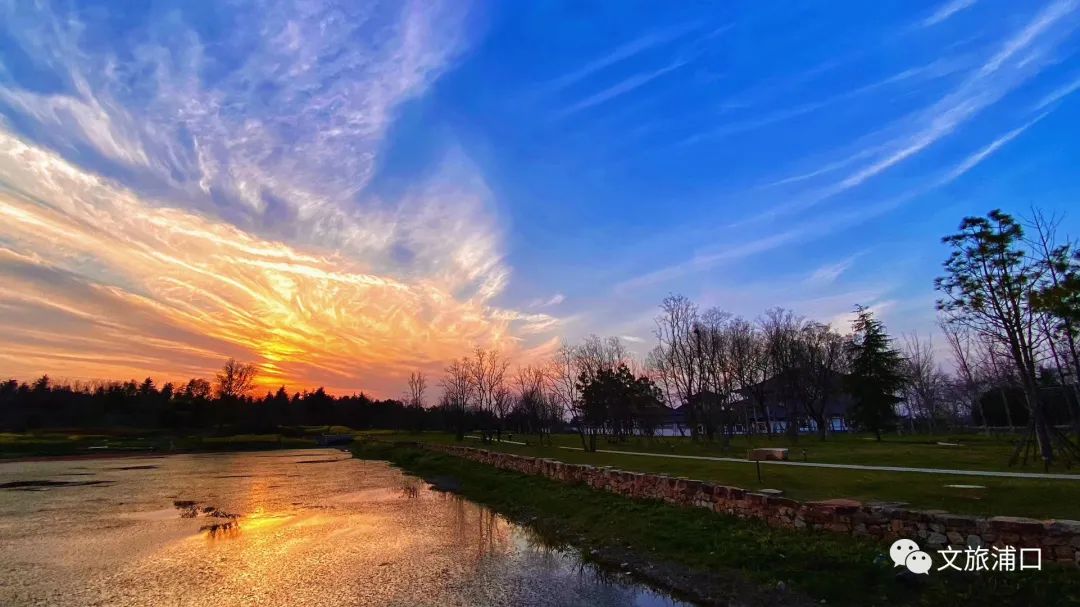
(766, 406)
(777, 405)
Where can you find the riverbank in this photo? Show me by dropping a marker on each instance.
(957, 494)
(714, 559)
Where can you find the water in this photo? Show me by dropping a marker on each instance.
(314, 527)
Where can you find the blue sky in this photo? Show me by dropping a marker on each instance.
(344, 192)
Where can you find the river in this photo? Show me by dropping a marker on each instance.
(311, 527)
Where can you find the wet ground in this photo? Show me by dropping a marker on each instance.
(273, 528)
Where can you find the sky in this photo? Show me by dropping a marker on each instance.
(344, 192)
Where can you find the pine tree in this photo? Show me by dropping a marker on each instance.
(877, 373)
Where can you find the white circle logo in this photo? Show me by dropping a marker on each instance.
(900, 550)
(919, 562)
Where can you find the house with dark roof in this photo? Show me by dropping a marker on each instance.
(775, 400)
(770, 404)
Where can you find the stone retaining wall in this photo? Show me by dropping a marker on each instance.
(936, 529)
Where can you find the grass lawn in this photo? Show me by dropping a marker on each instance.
(1003, 496)
(834, 569)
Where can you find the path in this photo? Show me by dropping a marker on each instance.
(993, 473)
(512, 442)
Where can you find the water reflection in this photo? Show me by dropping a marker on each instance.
(267, 529)
(221, 530)
(410, 487)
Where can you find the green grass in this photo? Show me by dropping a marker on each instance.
(975, 452)
(1042, 499)
(838, 569)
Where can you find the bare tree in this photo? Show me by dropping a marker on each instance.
(1060, 265)
(749, 366)
(715, 333)
(503, 403)
(534, 400)
(417, 388)
(594, 356)
(821, 361)
(197, 389)
(487, 373)
(924, 390)
(457, 393)
(678, 357)
(235, 380)
(999, 375)
(966, 357)
(574, 366)
(781, 329)
(562, 377)
(597, 354)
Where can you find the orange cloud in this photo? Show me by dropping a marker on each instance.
(101, 283)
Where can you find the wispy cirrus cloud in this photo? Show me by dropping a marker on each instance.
(620, 88)
(176, 199)
(946, 11)
(1058, 94)
(711, 258)
(932, 70)
(985, 152)
(107, 130)
(842, 321)
(714, 255)
(641, 44)
(182, 291)
(828, 274)
(554, 300)
(283, 138)
(1019, 58)
(973, 95)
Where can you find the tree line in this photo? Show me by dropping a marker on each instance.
(591, 387)
(712, 364)
(1009, 310)
(226, 403)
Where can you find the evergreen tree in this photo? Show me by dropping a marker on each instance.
(877, 374)
(616, 400)
(147, 388)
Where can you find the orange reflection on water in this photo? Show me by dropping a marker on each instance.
(479, 531)
(308, 534)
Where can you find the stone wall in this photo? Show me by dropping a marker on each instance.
(934, 529)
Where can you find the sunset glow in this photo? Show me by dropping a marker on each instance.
(342, 193)
(106, 281)
(163, 291)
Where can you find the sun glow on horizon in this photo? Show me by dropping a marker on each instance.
(172, 293)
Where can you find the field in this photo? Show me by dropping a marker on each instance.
(1036, 498)
(731, 561)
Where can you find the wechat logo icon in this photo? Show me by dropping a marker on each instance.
(906, 553)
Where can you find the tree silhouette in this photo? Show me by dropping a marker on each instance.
(235, 380)
(613, 398)
(876, 373)
(991, 285)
